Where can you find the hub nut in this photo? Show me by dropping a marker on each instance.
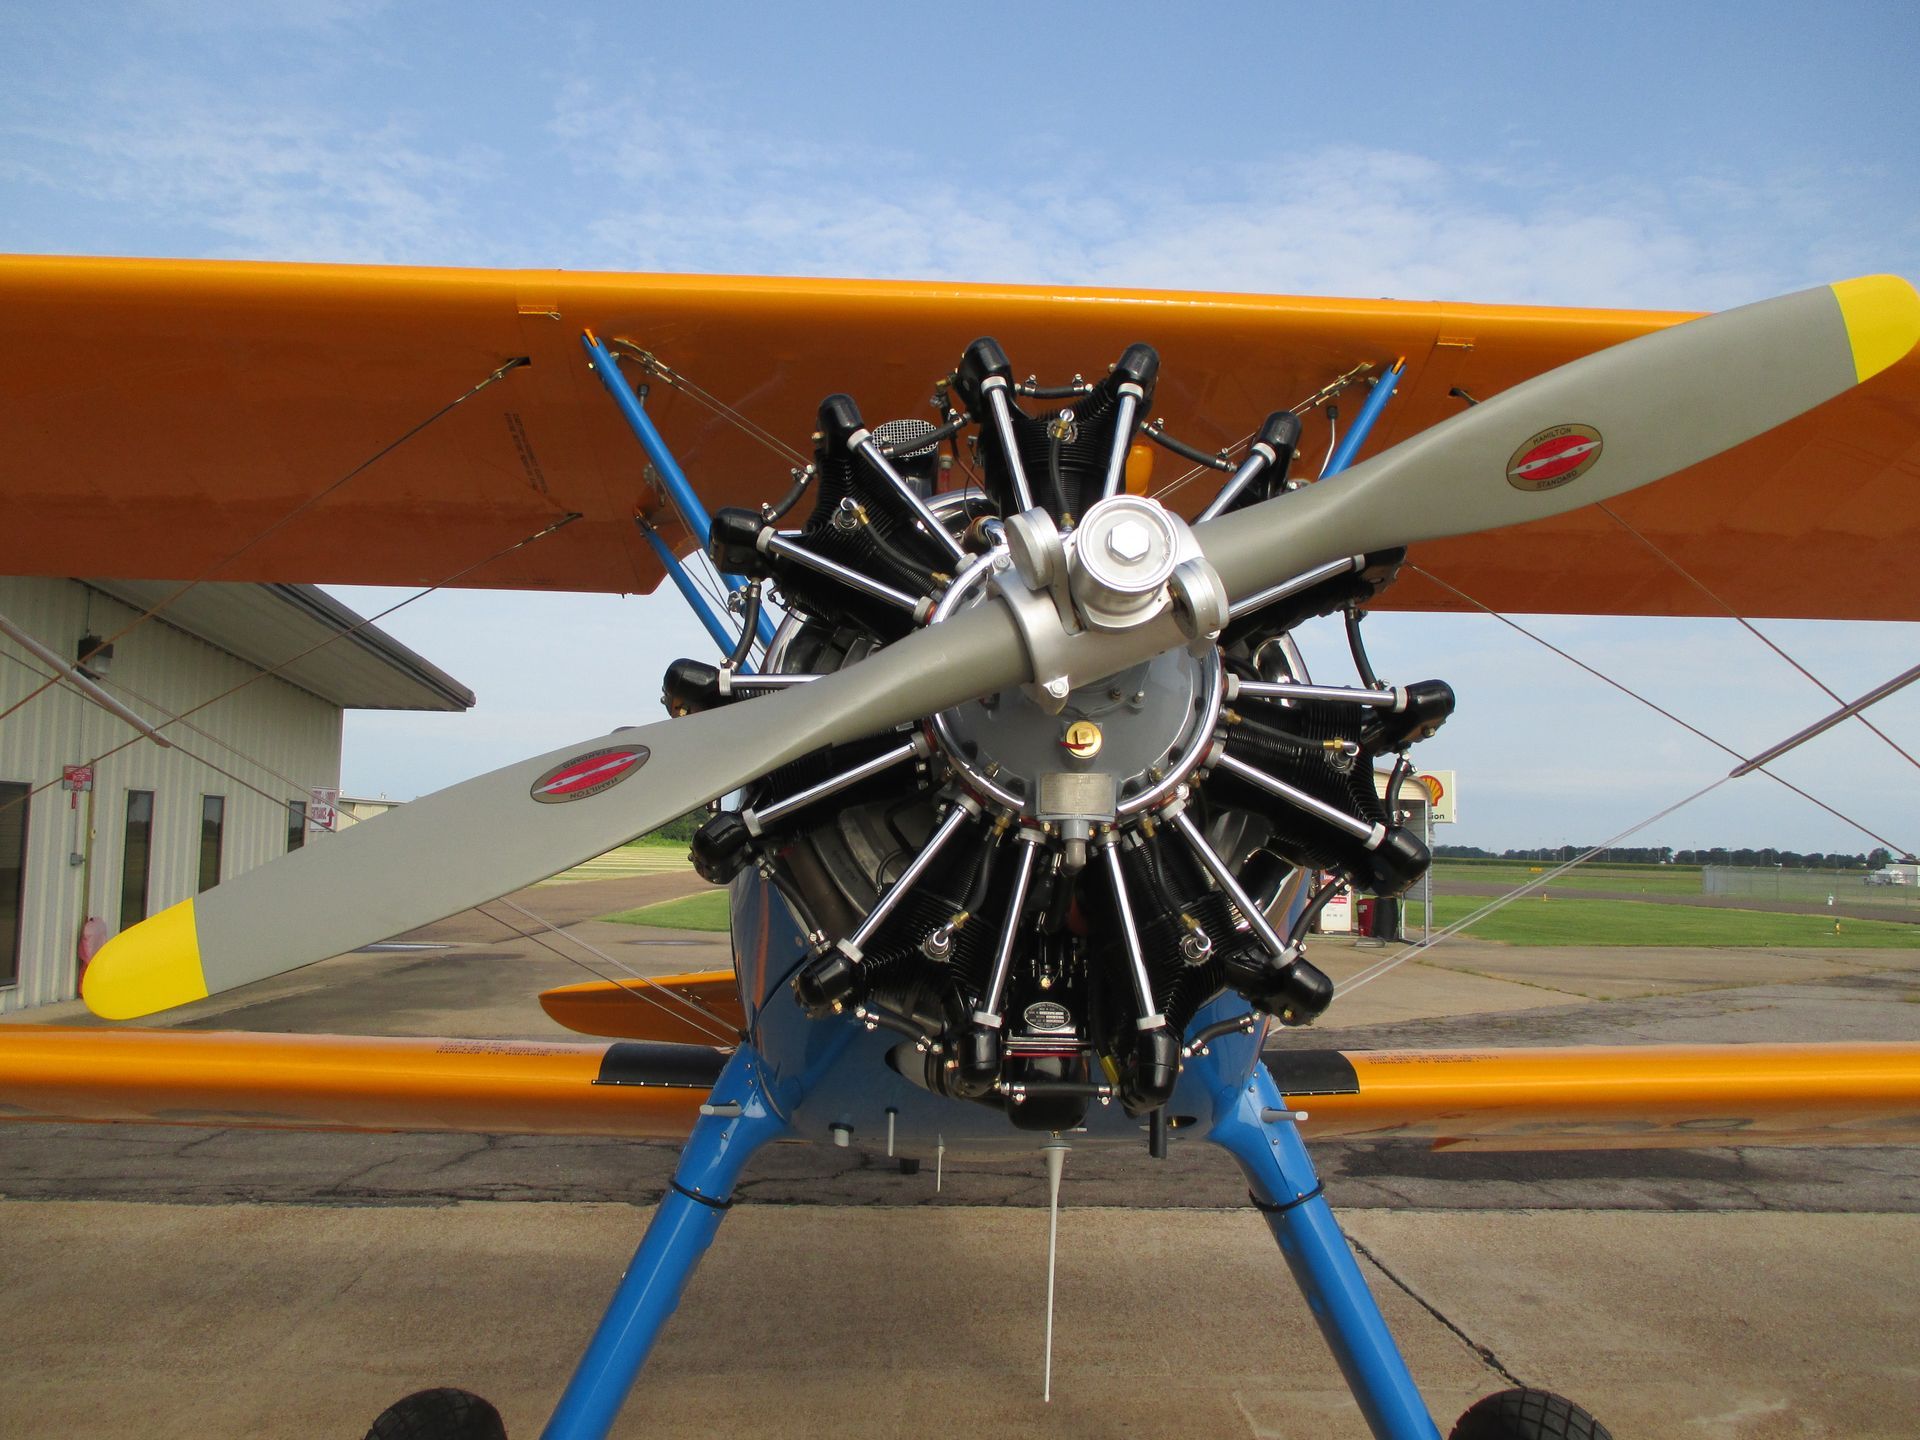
(1129, 541)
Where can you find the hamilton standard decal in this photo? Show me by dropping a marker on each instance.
(585, 776)
(1555, 457)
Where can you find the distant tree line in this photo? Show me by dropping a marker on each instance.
(1766, 856)
(680, 829)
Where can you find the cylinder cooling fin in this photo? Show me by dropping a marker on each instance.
(1040, 889)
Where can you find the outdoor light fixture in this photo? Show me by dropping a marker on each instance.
(94, 658)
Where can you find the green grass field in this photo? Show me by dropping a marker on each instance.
(705, 911)
(1623, 879)
(1529, 921)
(1533, 921)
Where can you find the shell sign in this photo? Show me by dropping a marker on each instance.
(1441, 787)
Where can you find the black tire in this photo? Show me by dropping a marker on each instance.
(1527, 1415)
(443, 1414)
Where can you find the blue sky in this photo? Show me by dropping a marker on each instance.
(1630, 155)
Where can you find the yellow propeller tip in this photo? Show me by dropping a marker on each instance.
(1882, 315)
(153, 966)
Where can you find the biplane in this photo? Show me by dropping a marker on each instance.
(1025, 794)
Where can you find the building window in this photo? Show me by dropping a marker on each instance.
(213, 824)
(13, 875)
(135, 854)
(296, 824)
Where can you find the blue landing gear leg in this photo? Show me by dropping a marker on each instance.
(737, 1123)
(1287, 1190)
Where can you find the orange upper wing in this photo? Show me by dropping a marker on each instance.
(163, 416)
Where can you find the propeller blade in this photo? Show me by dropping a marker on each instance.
(485, 837)
(1605, 424)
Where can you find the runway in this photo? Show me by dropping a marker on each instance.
(200, 1282)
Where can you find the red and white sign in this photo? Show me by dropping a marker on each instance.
(1336, 916)
(323, 808)
(78, 778)
(1439, 788)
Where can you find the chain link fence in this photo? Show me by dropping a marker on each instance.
(1810, 887)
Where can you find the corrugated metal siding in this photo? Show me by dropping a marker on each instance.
(281, 727)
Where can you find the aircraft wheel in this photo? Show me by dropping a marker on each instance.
(443, 1414)
(1527, 1415)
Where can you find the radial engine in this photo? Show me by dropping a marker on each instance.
(1039, 890)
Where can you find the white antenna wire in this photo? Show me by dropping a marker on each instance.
(1056, 1152)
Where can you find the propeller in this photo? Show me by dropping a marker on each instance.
(1602, 425)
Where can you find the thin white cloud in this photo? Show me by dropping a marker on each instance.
(259, 181)
(1341, 220)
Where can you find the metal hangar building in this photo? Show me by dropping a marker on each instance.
(100, 826)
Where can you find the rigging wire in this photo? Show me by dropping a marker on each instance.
(171, 718)
(705, 1018)
(1744, 767)
(286, 519)
(36, 671)
(1751, 629)
(1198, 470)
(1381, 967)
(676, 380)
(259, 675)
(1656, 708)
(1326, 393)
(648, 984)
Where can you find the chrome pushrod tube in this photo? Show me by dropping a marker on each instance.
(1122, 440)
(800, 554)
(1394, 699)
(1295, 796)
(1223, 877)
(1150, 1018)
(754, 684)
(989, 1011)
(1294, 586)
(1250, 468)
(758, 819)
(937, 532)
(1003, 426)
(895, 893)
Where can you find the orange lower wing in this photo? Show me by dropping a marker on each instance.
(1534, 1099)
(1610, 1097)
(696, 1009)
(335, 1082)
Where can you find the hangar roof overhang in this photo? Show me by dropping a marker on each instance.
(303, 635)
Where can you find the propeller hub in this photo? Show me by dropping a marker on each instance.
(1144, 729)
(1120, 559)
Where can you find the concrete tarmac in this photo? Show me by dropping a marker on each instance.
(169, 1282)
